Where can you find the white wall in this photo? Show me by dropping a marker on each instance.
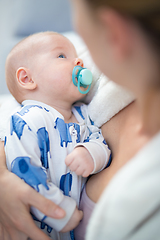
(19, 18)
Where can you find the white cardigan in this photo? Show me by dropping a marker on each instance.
(129, 208)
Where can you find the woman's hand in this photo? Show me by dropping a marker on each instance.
(16, 197)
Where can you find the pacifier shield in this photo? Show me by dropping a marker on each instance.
(82, 77)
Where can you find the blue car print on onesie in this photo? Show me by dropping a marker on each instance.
(66, 183)
(17, 125)
(32, 175)
(63, 128)
(79, 111)
(44, 145)
(65, 186)
(26, 109)
(65, 136)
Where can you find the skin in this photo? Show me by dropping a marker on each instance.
(122, 51)
(119, 132)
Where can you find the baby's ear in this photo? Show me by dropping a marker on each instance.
(24, 79)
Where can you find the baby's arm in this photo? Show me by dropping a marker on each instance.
(89, 157)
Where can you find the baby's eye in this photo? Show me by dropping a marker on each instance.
(61, 56)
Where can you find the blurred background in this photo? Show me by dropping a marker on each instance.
(20, 18)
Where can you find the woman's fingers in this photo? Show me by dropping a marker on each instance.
(4, 235)
(44, 205)
(16, 235)
(32, 231)
(26, 229)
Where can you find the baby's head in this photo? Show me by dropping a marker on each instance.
(40, 68)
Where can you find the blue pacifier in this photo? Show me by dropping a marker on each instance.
(82, 77)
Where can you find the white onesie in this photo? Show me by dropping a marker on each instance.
(36, 145)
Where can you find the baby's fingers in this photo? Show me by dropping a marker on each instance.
(83, 171)
(80, 171)
(69, 159)
(73, 164)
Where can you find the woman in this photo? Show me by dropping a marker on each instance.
(117, 45)
(123, 38)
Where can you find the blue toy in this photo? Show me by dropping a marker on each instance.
(82, 77)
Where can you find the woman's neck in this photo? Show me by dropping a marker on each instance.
(149, 106)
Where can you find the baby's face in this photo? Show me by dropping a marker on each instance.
(54, 61)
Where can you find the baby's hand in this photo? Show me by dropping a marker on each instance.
(74, 220)
(80, 161)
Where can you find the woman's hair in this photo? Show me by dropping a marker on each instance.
(145, 12)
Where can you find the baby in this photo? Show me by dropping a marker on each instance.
(51, 143)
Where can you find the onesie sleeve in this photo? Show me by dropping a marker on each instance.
(26, 156)
(93, 140)
(98, 149)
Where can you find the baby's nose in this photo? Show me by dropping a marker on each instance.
(79, 62)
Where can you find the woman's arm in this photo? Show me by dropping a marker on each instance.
(16, 222)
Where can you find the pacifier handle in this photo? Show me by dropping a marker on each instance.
(84, 78)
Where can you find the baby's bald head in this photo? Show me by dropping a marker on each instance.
(23, 55)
